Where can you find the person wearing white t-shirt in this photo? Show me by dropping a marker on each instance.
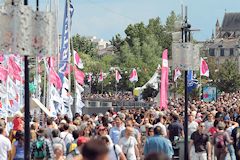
(209, 122)
(115, 152)
(161, 125)
(128, 143)
(192, 125)
(5, 145)
(66, 135)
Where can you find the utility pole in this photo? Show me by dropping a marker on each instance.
(27, 107)
(185, 38)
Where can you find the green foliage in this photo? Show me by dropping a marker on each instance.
(82, 44)
(141, 49)
(228, 77)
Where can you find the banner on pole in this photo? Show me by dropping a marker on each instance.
(185, 56)
(20, 32)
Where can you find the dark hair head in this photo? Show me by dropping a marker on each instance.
(55, 133)
(33, 127)
(157, 130)
(1, 129)
(67, 119)
(215, 123)
(19, 135)
(94, 149)
(76, 134)
(175, 116)
(105, 139)
(49, 121)
(65, 126)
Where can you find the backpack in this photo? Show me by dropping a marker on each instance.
(220, 141)
(40, 149)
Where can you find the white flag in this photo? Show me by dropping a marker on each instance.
(177, 73)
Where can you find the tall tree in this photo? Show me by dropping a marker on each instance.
(228, 78)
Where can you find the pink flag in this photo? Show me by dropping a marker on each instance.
(77, 60)
(164, 81)
(3, 74)
(177, 73)
(55, 79)
(79, 75)
(117, 75)
(1, 58)
(133, 76)
(100, 78)
(90, 77)
(69, 67)
(51, 62)
(204, 71)
(13, 69)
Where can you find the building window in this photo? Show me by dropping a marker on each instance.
(211, 52)
(231, 52)
(222, 52)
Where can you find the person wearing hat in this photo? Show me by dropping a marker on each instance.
(41, 148)
(18, 122)
(220, 141)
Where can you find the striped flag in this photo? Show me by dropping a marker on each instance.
(14, 69)
(55, 79)
(90, 77)
(117, 76)
(77, 60)
(204, 71)
(79, 75)
(100, 78)
(177, 73)
(133, 76)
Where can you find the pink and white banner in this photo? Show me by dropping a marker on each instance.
(164, 81)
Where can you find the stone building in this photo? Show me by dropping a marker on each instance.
(225, 43)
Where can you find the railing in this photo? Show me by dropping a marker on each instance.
(102, 106)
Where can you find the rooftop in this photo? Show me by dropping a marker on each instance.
(231, 22)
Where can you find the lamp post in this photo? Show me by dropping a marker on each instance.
(186, 35)
(27, 107)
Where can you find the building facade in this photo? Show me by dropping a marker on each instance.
(225, 43)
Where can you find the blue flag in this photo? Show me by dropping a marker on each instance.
(64, 51)
(192, 83)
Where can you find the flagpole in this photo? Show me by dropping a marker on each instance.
(90, 86)
(102, 87)
(116, 87)
(200, 90)
(69, 49)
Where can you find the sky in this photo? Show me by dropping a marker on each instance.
(106, 18)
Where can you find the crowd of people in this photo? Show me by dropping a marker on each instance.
(131, 134)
